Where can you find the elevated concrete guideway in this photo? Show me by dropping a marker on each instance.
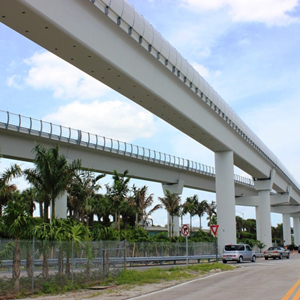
(119, 56)
(19, 135)
(110, 41)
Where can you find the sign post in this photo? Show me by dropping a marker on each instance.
(185, 230)
(214, 230)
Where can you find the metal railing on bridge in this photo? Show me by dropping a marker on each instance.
(27, 125)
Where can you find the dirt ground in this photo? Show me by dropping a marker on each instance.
(111, 293)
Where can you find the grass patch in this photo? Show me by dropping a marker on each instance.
(208, 267)
(128, 278)
(133, 277)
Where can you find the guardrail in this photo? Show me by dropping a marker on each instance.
(128, 260)
(115, 260)
(27, 125)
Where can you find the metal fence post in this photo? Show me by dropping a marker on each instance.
(101, 261)
(72, 263)
(103, 264)
(124, 254)
(33, 266)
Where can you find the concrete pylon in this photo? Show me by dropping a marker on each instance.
(175, 188)
(296, 225)
(61, 206)
(263, 210)
(287, 240)
(225, 198)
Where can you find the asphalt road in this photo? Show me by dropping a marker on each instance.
(264, 279)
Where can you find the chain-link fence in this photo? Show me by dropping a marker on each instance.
(146, 249)
(51, 266)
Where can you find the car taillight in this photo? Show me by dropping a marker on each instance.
(265, 251)
(275, 251)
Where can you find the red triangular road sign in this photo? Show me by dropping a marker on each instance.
(214, 229)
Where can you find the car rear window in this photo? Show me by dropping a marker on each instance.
(234, 247)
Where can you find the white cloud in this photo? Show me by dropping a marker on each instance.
(114, 119)
(205, 72)
(270, 12)
(47, 71)
(15, 81)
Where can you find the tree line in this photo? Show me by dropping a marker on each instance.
(121, 205)
(119, 210)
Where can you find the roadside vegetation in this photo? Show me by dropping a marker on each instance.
(127, 279)
(154, 275)
(116, 211)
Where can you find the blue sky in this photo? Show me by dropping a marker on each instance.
(247, 50)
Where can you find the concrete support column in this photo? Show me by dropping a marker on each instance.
(225, 198)
(287, 240)
(263, 218)
(61, 206)
(263, 210)
(296, 224)
(177, 189)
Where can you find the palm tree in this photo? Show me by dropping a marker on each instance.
(142, 202)
(18, 221)
(211, 211)
(75, 235)
(127, 211)
(277, 232)
(171, 202)
(118, 192)
(6, 189)
(29, 196)
(52, 174)
(46, 232)
(239, 225)
(102, 208)
(250, 225)
(260, 245)
(200, 209)
(189, 206)
(81, 190)
(213, 221)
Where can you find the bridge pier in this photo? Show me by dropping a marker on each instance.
(263, 218)
(287, 240)
(296, 224)
(225, 198)
(60, 206)
(263, 210)
(175, 188)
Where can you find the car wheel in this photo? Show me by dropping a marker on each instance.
(266, 258)
(288, 256)
(240, 259)
(224, 261)
(274, 257)
(280, 256)
(253, 258)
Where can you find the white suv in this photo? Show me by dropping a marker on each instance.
(238, 252)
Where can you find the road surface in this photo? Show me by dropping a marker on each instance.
(264, 279)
